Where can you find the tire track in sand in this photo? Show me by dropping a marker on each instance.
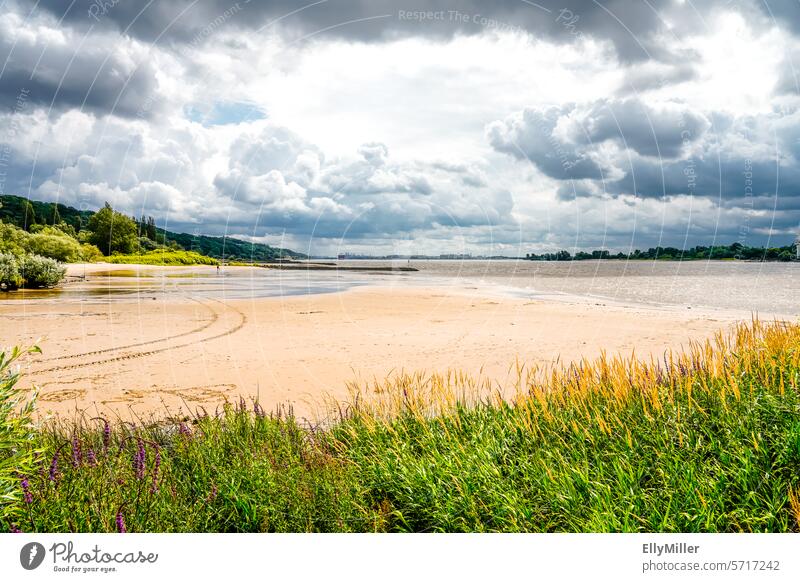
(206, 325)
(241, 323)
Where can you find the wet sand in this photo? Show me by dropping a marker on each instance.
(165, 353)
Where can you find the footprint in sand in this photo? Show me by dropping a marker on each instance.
(207, 393)
(62, 395)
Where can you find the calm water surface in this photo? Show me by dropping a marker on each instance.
(766, 288)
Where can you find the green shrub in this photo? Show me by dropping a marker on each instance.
(38, 271)
(16, 450)
(146, 245)
(90, 253)
(12, 239)
(10, 278)
(55, 244)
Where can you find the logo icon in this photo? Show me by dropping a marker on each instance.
(31, 555)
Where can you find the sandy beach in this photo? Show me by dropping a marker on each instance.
(169, 353)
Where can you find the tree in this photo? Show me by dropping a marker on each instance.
(28, 215)
(112, 232)
(150, 229)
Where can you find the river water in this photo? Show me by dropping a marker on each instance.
(765, 288)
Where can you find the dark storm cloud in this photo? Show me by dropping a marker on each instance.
(727, 177)
(629, 26)
(101, 79)
(565, 142)
(110, 93)
(665, 153)
(530, 136)
(96, 73)
(642, 128)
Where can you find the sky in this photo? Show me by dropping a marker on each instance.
(408, 127)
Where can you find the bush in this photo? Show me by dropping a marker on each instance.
(12, 239)
(10, 279)
(38, 271)
(55, 244)
(90, 253)
(16, 452)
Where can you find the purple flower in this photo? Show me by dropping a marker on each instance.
(121, 522)
(156, 465)
(139, 458)
(54, 467)
(258, 410)
(106, 434)
(184, 430)
(91, 458)
(15, 529)
(26, 491)
(213, 494)
(77, 455)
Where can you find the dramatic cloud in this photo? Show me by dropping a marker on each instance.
(58, 67)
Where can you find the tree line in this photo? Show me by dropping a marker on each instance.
(113, 232)
(735, 251)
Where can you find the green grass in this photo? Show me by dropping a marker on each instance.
(706, 440)
(164, 257)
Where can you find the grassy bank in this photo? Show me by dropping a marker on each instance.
(163, 257)
(706, 440)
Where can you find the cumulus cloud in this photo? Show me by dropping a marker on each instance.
(57, 67)
(531, 135)
(370, 196)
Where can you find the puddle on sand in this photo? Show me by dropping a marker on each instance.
(31, 294)
(68, 293)
(121, 273)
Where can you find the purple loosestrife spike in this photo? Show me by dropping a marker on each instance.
(91, 458)
(106, 434)
(77, 455)
(120, 519)
(139, 458)
(184, 430)
(156, 465)
(26, 492)
(54, 467)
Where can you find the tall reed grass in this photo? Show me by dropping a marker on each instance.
(707, 439)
